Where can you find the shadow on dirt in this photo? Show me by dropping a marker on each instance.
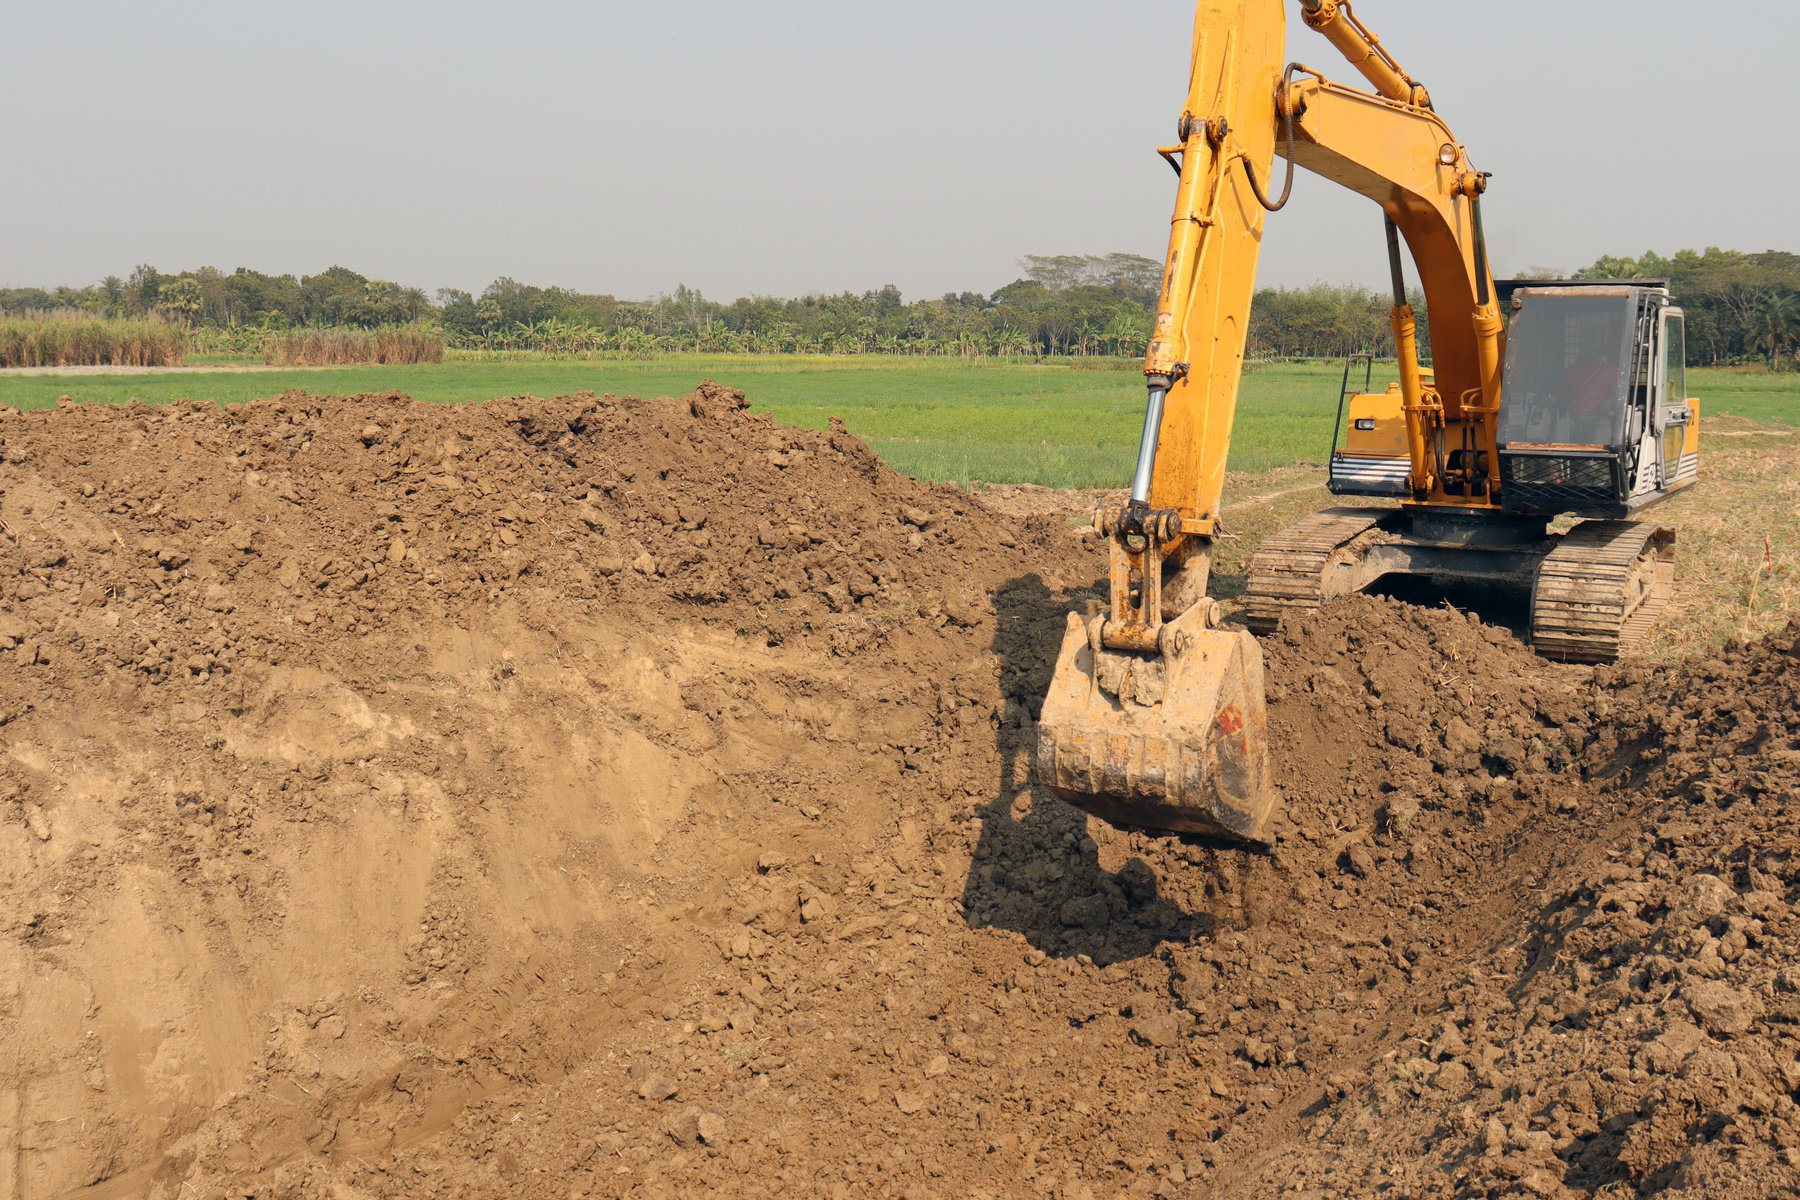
(1036, 871)
(1500, 605)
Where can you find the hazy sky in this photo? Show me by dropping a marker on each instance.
(791, 146)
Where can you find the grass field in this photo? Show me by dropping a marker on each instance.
(1003, 422)
(1000, 422)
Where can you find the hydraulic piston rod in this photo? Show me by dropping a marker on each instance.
(1146, 463)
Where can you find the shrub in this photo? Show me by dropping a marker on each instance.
(342, 347)
(72, 339)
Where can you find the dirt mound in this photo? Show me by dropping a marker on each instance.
(364, 758)
(1626, 1021)
(1656, 1017)
(613, 797)
(306, 518)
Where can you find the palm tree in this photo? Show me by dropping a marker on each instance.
(1126, 334)
(113, 289)
(1776, 324)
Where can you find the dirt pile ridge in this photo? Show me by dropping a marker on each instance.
(364, 758)
(1625, 1022)
(629, 798)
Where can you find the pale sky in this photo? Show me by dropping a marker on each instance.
(794, 146)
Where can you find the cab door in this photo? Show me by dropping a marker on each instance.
(1672, 406)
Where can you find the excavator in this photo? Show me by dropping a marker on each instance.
(1542, 400)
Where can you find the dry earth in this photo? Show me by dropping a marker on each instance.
(603, 797)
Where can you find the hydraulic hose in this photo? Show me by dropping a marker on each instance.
(1287, 124)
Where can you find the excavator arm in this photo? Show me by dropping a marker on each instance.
(1155, 715)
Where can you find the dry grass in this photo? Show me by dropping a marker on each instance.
(73, 339)
(1737, 549)
(347, 347)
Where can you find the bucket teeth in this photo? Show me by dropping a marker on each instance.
(1175, 742)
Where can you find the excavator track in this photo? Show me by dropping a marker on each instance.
(1293, 572)
(1602, 589)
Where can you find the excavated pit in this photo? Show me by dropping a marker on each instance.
(628, 798)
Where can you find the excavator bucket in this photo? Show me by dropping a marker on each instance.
(1174, 741)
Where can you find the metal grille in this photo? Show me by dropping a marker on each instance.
(1553, 483)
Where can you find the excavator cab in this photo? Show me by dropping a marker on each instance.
(1597, 422)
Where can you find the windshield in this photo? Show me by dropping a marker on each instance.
(1567, 367)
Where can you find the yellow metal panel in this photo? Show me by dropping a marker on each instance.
(1388, 438)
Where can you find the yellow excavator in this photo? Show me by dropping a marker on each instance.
(1571, 401)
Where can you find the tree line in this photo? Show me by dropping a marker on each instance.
(1740, 307)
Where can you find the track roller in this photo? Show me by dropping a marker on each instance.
(1602, 589)
(1310, 562)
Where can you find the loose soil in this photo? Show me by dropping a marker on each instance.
(611, 797)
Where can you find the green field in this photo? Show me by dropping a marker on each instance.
(998, 421)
